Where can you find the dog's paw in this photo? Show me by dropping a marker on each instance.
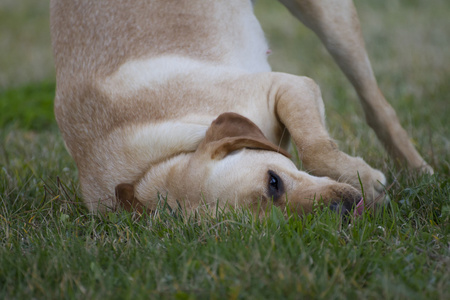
(374, 190)
(369, 181)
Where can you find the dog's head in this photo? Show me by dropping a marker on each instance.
(237, 165)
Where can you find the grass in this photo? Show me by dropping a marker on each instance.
(29, 107)
(51, 247)
(24, 42)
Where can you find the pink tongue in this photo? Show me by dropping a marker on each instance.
(359, 208)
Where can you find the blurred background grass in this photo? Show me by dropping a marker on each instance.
(26, 65)
(25, 45)
(407, 41)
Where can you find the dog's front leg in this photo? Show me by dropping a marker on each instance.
(336, 23)
(298, 104)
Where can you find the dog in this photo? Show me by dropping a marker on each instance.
(176, 99)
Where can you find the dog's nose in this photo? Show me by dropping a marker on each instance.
(343, 208)
(345, 203)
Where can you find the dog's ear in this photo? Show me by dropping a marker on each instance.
(231, 132)
(126, 199)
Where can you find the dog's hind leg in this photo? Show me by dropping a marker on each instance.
(336, 23)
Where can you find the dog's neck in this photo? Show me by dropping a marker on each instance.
(162, 182)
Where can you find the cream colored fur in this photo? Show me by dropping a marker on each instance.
(139, 84)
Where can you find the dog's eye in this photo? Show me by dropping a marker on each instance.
(273, 182)
(275, 185)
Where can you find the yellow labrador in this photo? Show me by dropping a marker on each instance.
(176, 98)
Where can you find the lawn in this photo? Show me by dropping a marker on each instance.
(51, 247)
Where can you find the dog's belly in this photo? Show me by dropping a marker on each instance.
(249, 47)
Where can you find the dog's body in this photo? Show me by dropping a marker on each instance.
(139, 84)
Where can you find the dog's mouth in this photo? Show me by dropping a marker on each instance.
(359, 208)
